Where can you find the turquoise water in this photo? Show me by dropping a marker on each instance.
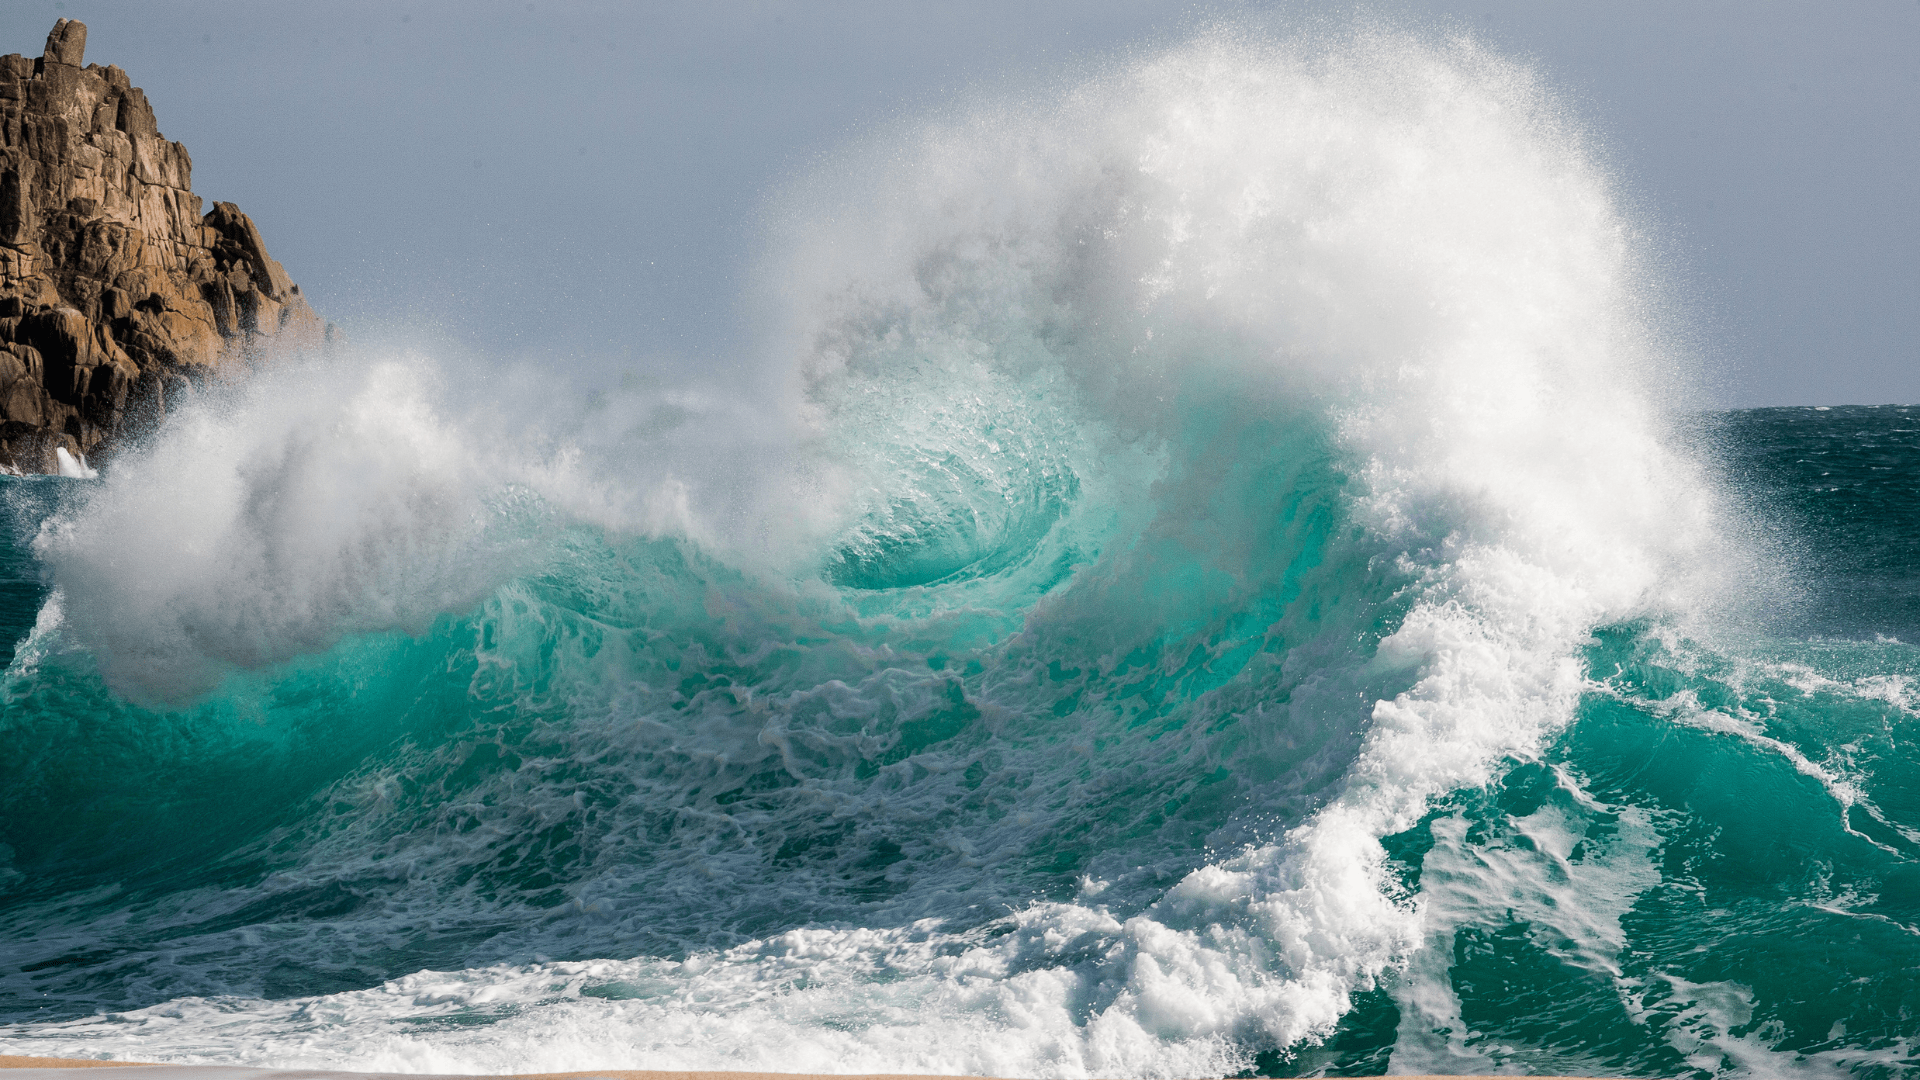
(1201, 587)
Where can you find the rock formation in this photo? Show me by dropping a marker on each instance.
(115, 292)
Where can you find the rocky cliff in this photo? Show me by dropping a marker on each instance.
(116, 293)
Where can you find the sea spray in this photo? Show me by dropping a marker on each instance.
(1183, 513)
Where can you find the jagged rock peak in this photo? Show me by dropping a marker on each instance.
(115, 292)
(67, 44)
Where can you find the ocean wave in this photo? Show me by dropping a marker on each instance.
(1169, 494)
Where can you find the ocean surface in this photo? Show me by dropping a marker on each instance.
(1212, 572)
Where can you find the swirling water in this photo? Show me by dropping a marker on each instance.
(1205, 583)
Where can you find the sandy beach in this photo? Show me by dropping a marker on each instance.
(231, 1072)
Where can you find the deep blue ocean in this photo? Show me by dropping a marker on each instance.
(1213, 573)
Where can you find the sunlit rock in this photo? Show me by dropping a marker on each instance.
(115, 291)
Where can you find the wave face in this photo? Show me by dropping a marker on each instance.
(1206, 586)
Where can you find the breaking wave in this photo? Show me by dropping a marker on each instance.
(1164, 500)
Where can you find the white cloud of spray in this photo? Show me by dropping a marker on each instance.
(266, 521)
(272, 516)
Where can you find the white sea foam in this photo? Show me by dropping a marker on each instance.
(29, 651)
(73, 467)
(1570, 887)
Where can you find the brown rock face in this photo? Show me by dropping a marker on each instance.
(114, 290)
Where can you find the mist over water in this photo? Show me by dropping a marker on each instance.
(1208, 580)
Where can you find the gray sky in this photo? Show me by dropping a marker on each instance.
(578, 182)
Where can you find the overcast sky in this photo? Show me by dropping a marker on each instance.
(578, 183)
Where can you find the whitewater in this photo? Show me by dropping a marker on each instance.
(1212, 570)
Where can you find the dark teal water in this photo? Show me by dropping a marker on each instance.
(1842, 484)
